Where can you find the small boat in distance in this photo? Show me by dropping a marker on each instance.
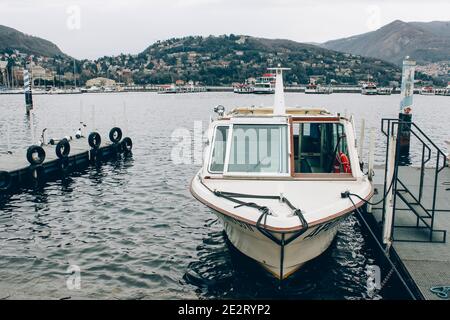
(369, 88)
(427, 91)
(174, 89)
(384, 91)
(313, 88)
(242, 88)
(265, 84)
(275, 177)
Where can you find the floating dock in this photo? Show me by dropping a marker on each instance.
(16, 171)
(426, 264)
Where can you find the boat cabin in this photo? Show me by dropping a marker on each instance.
(304, 143)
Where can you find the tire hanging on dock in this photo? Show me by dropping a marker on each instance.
(94, 140)
(115, 135)
(126, 145)
(35, 155)
(62, 148)
(5, 181)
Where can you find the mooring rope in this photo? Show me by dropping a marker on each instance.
(383, 250)
(265, 211)
(441, 292)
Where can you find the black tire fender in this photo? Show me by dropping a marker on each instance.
(62, 148)
(94, 140)
(126, 145)
(35, 155)
(115, 135)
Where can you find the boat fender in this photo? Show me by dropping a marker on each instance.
(5, 180)
(94, 140)
(35, 155)
(126, 145)
(62, 148)
(115, 135)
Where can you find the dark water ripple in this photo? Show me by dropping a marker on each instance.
(132, 226)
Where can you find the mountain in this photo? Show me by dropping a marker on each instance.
(222, 60)
(426, 42)
(12, 39)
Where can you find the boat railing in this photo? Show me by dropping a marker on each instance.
(430, 153)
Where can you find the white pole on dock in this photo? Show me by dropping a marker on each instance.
(406, 105)
(371, 161)
(389, 204)
(361, 140)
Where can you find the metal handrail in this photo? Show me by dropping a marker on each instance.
(392, 127)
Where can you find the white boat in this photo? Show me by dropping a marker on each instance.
(369, 88)
(11, 91)
(265, 84)
(173, 89)
(94, 89)
(313, 88)
(275, 178)
(427, 91)
(243, 88)
(384, 91)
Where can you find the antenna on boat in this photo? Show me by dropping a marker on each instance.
(279, 107)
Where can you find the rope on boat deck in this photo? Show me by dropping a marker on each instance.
(265, 211)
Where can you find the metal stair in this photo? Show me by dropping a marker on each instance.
(414, 199)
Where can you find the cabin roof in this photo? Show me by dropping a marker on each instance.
(265, 111)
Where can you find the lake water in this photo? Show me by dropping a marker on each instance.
(132, 227)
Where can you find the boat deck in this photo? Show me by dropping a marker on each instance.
(428, 264)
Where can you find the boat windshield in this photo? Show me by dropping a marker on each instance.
(258, 149)
(255, 149)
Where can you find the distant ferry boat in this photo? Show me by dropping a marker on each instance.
(265, 84)
(384, 91)
(174, 89)
(428, 91)
(317, 89)
(243, 88)
(369, 88)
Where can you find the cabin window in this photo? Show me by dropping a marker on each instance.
(219, 150)
(259, 149)
(318, 148)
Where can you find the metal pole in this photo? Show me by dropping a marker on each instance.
(389, 204)
(371, 161)
(27, 91)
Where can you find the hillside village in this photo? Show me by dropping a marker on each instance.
(213, 61)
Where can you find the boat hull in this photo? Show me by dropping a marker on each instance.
(281, 261)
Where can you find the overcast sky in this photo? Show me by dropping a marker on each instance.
(94, 28)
